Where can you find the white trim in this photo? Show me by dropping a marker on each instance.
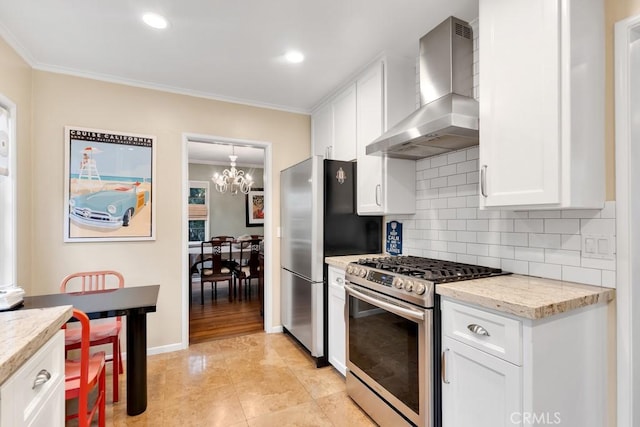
(10, 106)
(161, 349)
(627, 360)
(268, 228)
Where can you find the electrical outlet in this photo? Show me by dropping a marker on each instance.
(597, 246)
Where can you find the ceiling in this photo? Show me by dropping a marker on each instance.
(222, 49)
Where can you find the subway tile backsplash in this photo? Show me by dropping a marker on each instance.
(449, 225)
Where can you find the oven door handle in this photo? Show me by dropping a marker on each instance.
(389, 306)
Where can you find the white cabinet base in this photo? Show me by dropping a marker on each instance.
(25, 402)
(482, 390)
(337, 326)
(561, 379)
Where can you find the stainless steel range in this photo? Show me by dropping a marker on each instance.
(393, 335)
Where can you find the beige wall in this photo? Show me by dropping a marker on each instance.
(60, 100)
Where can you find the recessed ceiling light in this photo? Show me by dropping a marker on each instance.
(155, 21)
(294, 57)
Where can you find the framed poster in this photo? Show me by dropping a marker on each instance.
(255, 208)
(109, 179)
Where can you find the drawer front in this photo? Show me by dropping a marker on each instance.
(30, 390)
(492, 333)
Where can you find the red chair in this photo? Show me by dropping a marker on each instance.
(104, 331)
(81, 377)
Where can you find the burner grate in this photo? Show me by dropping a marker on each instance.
(435, 270)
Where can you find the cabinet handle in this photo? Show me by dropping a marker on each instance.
(340, 280)
(42, 377)
(378, 191)
(483, 180)
(443, 360)
(477, 329)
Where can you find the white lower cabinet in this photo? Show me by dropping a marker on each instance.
(337, 326)
(34, 395)
(478, 389)
(502, 370)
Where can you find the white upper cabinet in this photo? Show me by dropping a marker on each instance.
(322, 131)
(344, 125)
(333, 127)
(385, 94)
(541, 86)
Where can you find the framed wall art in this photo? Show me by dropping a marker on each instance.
(255, 208)
(109, 186)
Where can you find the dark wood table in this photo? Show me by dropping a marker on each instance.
(132, 302)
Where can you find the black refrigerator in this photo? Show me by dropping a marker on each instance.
(318, 219)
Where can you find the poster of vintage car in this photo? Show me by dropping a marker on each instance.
(109, 179)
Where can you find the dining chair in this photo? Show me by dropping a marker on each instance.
(249, 266)
(212, 269)
(103, 331)
(228, 260)
(82, 376)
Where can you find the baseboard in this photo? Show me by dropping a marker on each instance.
(274, 330)
(164, 349)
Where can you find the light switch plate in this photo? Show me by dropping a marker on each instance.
(598, 246)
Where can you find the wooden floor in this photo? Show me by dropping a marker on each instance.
(220, 318)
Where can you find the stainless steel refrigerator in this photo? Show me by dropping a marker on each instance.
(318, 219)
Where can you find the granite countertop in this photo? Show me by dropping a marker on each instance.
(342, 261)
(23, 332)
(525, 296)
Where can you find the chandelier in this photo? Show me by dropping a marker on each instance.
(232, 179)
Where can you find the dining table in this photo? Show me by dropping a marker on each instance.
(133, 302)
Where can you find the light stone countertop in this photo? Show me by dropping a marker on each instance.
(525, 296)
(23, 332)
(342, 261)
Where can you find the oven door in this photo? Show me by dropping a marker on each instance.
(389, 349)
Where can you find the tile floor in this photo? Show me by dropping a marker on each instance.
(253, 380)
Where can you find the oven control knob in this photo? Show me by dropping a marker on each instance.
(350, 269)
(408, 286)
(398, 282)
(419, 288)
(362, 272)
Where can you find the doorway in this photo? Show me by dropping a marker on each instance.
(214, 208)
(627, 130)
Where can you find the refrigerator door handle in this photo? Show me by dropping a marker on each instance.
(308, 279)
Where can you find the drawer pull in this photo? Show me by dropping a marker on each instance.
(443, 363)
(42, 377)
(478, 330)
(340, 280)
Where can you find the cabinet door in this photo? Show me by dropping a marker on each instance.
(322, 132)
(337, 344)
(344, 125)
(370, 124)
(478, 389)
(520, 114)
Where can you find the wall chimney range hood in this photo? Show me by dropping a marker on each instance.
(448, 117)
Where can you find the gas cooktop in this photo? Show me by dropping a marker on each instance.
(412, 278)
(434, 270)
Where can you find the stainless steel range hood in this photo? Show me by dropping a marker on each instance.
(448, 118)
